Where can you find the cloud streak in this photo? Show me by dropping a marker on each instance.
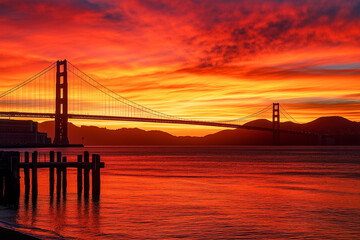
(163, 53)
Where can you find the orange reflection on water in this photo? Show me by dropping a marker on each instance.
(207, 193)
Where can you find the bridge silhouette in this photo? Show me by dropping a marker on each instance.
(62, 92)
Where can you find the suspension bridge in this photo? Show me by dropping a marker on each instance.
(62, 92)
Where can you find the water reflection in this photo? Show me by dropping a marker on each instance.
(205, 193)
(59, 212)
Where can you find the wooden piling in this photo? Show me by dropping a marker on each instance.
(2, 162)
(34, 174)
(96, 174)
(51, 174)
(5, 165)
(58, 174)
(10, 177)
(1, 187)
(26, 174)
(86, 174)
(64, 170)
(7, 176)
(15, 176)
(79, 176)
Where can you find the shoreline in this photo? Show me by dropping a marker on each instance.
(9, 234)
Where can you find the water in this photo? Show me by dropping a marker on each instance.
(204, 193)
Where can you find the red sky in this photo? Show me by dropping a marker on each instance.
(197, 59)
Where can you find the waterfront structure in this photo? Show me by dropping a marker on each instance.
(12, 162)
(21, 132)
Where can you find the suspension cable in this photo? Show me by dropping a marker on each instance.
(288, 114)
(29, 80)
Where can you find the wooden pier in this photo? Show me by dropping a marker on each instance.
(10, 165)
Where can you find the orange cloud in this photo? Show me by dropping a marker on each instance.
(198, 59)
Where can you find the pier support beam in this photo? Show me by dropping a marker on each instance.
(58, 174)
(64, 170)
(86, 174)
(34, 179)
(7, 193)
(96, 174)
(14, 177)
(1, 187)
(2, 177)
(79, 176)
(51, 174)
(26, 174)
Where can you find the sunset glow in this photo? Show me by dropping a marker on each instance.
(208, 60)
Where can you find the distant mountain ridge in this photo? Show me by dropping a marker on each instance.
(346, 132)
(330, 125)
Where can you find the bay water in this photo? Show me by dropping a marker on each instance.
(207, 192)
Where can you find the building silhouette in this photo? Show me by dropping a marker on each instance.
(21, 132)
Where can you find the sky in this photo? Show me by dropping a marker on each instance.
(208, 60)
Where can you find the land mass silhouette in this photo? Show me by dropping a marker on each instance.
(341, 131)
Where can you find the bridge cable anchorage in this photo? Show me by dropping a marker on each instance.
(291, 117)
(29, 80)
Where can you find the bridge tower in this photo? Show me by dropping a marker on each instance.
(276, 124)
(61, 109)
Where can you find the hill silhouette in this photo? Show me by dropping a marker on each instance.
(345, 132)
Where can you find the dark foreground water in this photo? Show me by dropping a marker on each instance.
(204, 193)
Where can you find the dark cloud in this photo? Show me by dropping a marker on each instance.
(280, 26)
(39, 11)
(157, 5)
(356, 10)
(167, 8)
(114, 16)
(275, 29)
(87, 5)
(5, 8)
(240, 34)
(219, 55)
(204, 33)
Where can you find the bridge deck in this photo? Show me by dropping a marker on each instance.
(150, 120)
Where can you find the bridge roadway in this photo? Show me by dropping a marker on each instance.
(151, 120)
